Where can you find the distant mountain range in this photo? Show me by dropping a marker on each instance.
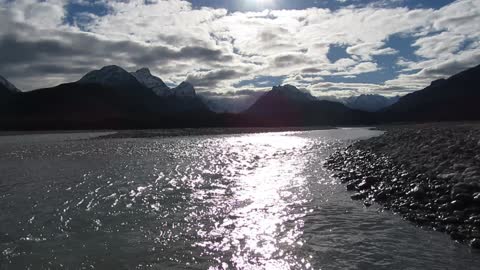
(370, 102)
(111, 97)
(286, 105)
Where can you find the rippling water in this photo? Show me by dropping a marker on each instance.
(256, 201)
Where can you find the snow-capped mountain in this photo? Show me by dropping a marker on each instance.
(370, 103)
(145, 77)
(6, 85)
(185, 89)
(291, 92)
(112, 76)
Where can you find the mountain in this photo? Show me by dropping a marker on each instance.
(114, 98)
(370, 103)
(222, 104)
(8, 93)
(289, 92)
(454, 99)
(145, 77)
(185, 89)
(127, 87)
(152, 82)
(112, 76)
(147, 91)
(287, 105)
(93, 106)
(6, 86)
(106, 98)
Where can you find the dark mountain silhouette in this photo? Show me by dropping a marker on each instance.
(6, 86)
(287, 105)
(114, 98)
(454, 99)
(7, 95)
(106, 98)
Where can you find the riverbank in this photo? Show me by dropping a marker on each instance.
(430, 174)
(162, 133)
(174, 132)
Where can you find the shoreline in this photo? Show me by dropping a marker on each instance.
(428, 173)
(186, 132)
(162, 133)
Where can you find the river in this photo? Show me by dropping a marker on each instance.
(247, 201)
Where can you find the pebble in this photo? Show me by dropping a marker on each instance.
(475, 243)
(359, 196)
(428, 174)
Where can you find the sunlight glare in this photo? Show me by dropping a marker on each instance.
(265, 226)
(261, 3)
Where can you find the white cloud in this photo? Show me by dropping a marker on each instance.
(365, 51)
(217, 49)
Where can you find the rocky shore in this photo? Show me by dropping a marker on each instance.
(429, 174)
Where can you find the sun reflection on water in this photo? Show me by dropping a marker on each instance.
(264, 228)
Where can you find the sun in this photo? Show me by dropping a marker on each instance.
(262, 3)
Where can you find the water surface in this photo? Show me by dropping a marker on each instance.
(250, 201)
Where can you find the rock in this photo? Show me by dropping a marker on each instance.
(367, 182)
(443, 199)
(381, 196)
(451, 220)
(476, 197)
(456, 235)
(417, 192)
(464, 197)
(429, 175)
(352, 185)
(475, 243)
(446, 176)
(459, 166)
(457, 205)
(474, 220)
(462, 188)
(359, 196)
(459, 214)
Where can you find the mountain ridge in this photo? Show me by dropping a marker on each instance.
(5, 85)
(287, 105)
(455, 98)
(145, 77)
(112, 97)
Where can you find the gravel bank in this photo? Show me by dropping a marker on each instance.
(430, 174)
(162, 133)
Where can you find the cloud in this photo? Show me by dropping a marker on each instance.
(212, 78)
(288, 60)
(44, 43)
(365, 51)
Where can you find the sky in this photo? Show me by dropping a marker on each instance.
(230, 48)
